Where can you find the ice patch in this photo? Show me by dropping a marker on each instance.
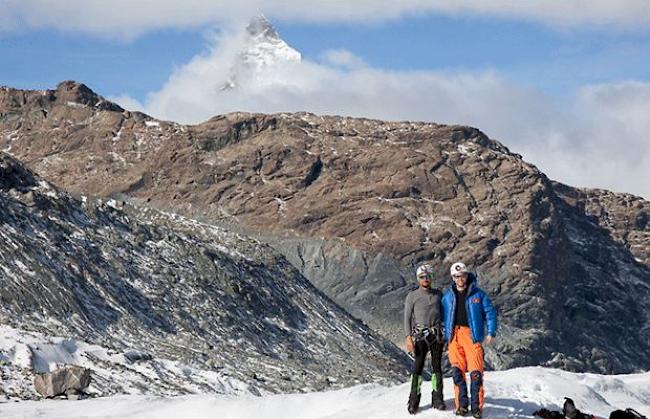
(24, 268)
(281, 204)
(75, 104)
(47, 189)
(465, 150)
(117, 136)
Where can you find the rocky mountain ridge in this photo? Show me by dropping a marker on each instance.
(355, 204)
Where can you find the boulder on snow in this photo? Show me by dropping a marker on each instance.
(67, 380)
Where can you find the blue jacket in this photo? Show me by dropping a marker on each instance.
(479, 310)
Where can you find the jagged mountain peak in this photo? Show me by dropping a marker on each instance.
(264, 46)
(261, 26)
(80, 90)
(73, 92)
(262, 49)
(68, 93)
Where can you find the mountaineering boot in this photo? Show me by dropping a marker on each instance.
(437, 400)
(437, 403)
(460, 391)
(414, 403)
(414, 397)
(462, 411)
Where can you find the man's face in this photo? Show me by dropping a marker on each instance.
(424, 280)
(460, 280)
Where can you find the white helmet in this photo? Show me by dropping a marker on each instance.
(425, 269)
(458, 268)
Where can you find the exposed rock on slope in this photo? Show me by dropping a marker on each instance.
(356, 203)
(626, 217)
(121, 277)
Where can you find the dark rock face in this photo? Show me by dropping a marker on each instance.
(14, 176)
(356, 204)
(626, 217)
(371, 287)
(124, 277)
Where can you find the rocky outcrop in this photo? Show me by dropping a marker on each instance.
(357, 203)
(69, 381)
(124, 277)
(626, 217)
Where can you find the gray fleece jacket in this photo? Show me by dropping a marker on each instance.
(422, 307)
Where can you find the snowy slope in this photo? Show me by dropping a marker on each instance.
(510, 394)
(121, 277)
(113, 371)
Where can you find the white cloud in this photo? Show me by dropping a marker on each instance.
(127, 102)
(597, 138)
(608, 145)
(343, 58)
(129, 18)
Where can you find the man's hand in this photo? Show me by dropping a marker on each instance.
(489, 340)
(410, 347)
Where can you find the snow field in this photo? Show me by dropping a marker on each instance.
(509, 394)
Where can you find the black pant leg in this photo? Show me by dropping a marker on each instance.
(436, 373)
(436, 357)
(421, 350)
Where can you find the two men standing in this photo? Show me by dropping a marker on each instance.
(464, 311)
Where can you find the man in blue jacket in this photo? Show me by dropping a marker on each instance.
(465, 311)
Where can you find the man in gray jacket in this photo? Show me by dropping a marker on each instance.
(423, 330)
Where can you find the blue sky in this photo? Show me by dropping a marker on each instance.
(41, 59)
(533, 54)
(526, 52)
(564, 83)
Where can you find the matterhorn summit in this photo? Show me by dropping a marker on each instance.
(262, 52)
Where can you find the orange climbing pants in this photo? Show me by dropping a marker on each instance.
(466, 356)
